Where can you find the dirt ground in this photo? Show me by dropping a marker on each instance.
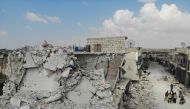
(160, 86)
(150, 94)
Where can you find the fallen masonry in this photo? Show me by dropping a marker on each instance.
(53, 77)
(42, 77)
(139, 96)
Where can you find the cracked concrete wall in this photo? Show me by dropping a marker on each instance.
(110, 64)
(93, 61)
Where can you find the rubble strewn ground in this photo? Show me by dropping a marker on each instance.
(40, 78)
(149, 93)
(140, 96)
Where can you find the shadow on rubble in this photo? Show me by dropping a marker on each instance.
(2, 81)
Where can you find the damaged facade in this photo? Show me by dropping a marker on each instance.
(3, 62)
(176, 61)
(107, 77)
(40, 77)
(3, 59)
(179, 65)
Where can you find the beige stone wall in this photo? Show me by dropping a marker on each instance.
(109, 44)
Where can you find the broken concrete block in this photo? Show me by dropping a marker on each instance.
(29, 61)
(25, 107)
(37, 81)
(66, 72)
(56, 61)
(104, 94)
(53, 98)
(97, 74)
(14, 101)
(92, 89)
(81, 94)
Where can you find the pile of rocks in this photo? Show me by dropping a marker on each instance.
(140, 96)
(40, 77)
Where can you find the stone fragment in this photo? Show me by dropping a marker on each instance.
(53, 98)
(25, 107)
(15, 101)
(29, 61)
(81, 94)
(66, 72)
(104, 94)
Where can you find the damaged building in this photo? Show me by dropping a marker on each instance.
(107, 44)
(42, 77)
(179, 65)
(3, 62)
(176, 61)
(109, 76)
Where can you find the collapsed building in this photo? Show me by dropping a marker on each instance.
(40, 77)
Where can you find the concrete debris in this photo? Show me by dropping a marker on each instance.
(29, 61)
(140, 96)
(40, 77)
(130, 66)
(9, 88)
(81, 94)
(66, 72)
(15, 101)
(53, 98)
(25, 107)
(56, 61)
(104, 94)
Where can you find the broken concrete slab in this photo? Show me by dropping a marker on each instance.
(92, 89)
(45, 83)
(104, 93)
(53, 98)
(81, 94)
(25, 107)
(14, 101)
(130, 66)
(36, 80)
(97, 74)
(56, 61)
(66, 72)
(32, 61)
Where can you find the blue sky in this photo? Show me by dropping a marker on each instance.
(75, 18)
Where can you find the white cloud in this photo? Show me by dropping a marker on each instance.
(3, 33)
(153, 27)
(53, 19)
(34, 17)
(147, 1)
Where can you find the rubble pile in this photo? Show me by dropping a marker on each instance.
(41, 78)
(97, 62)
(140, 96)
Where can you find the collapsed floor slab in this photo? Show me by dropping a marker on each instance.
(46, 81)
